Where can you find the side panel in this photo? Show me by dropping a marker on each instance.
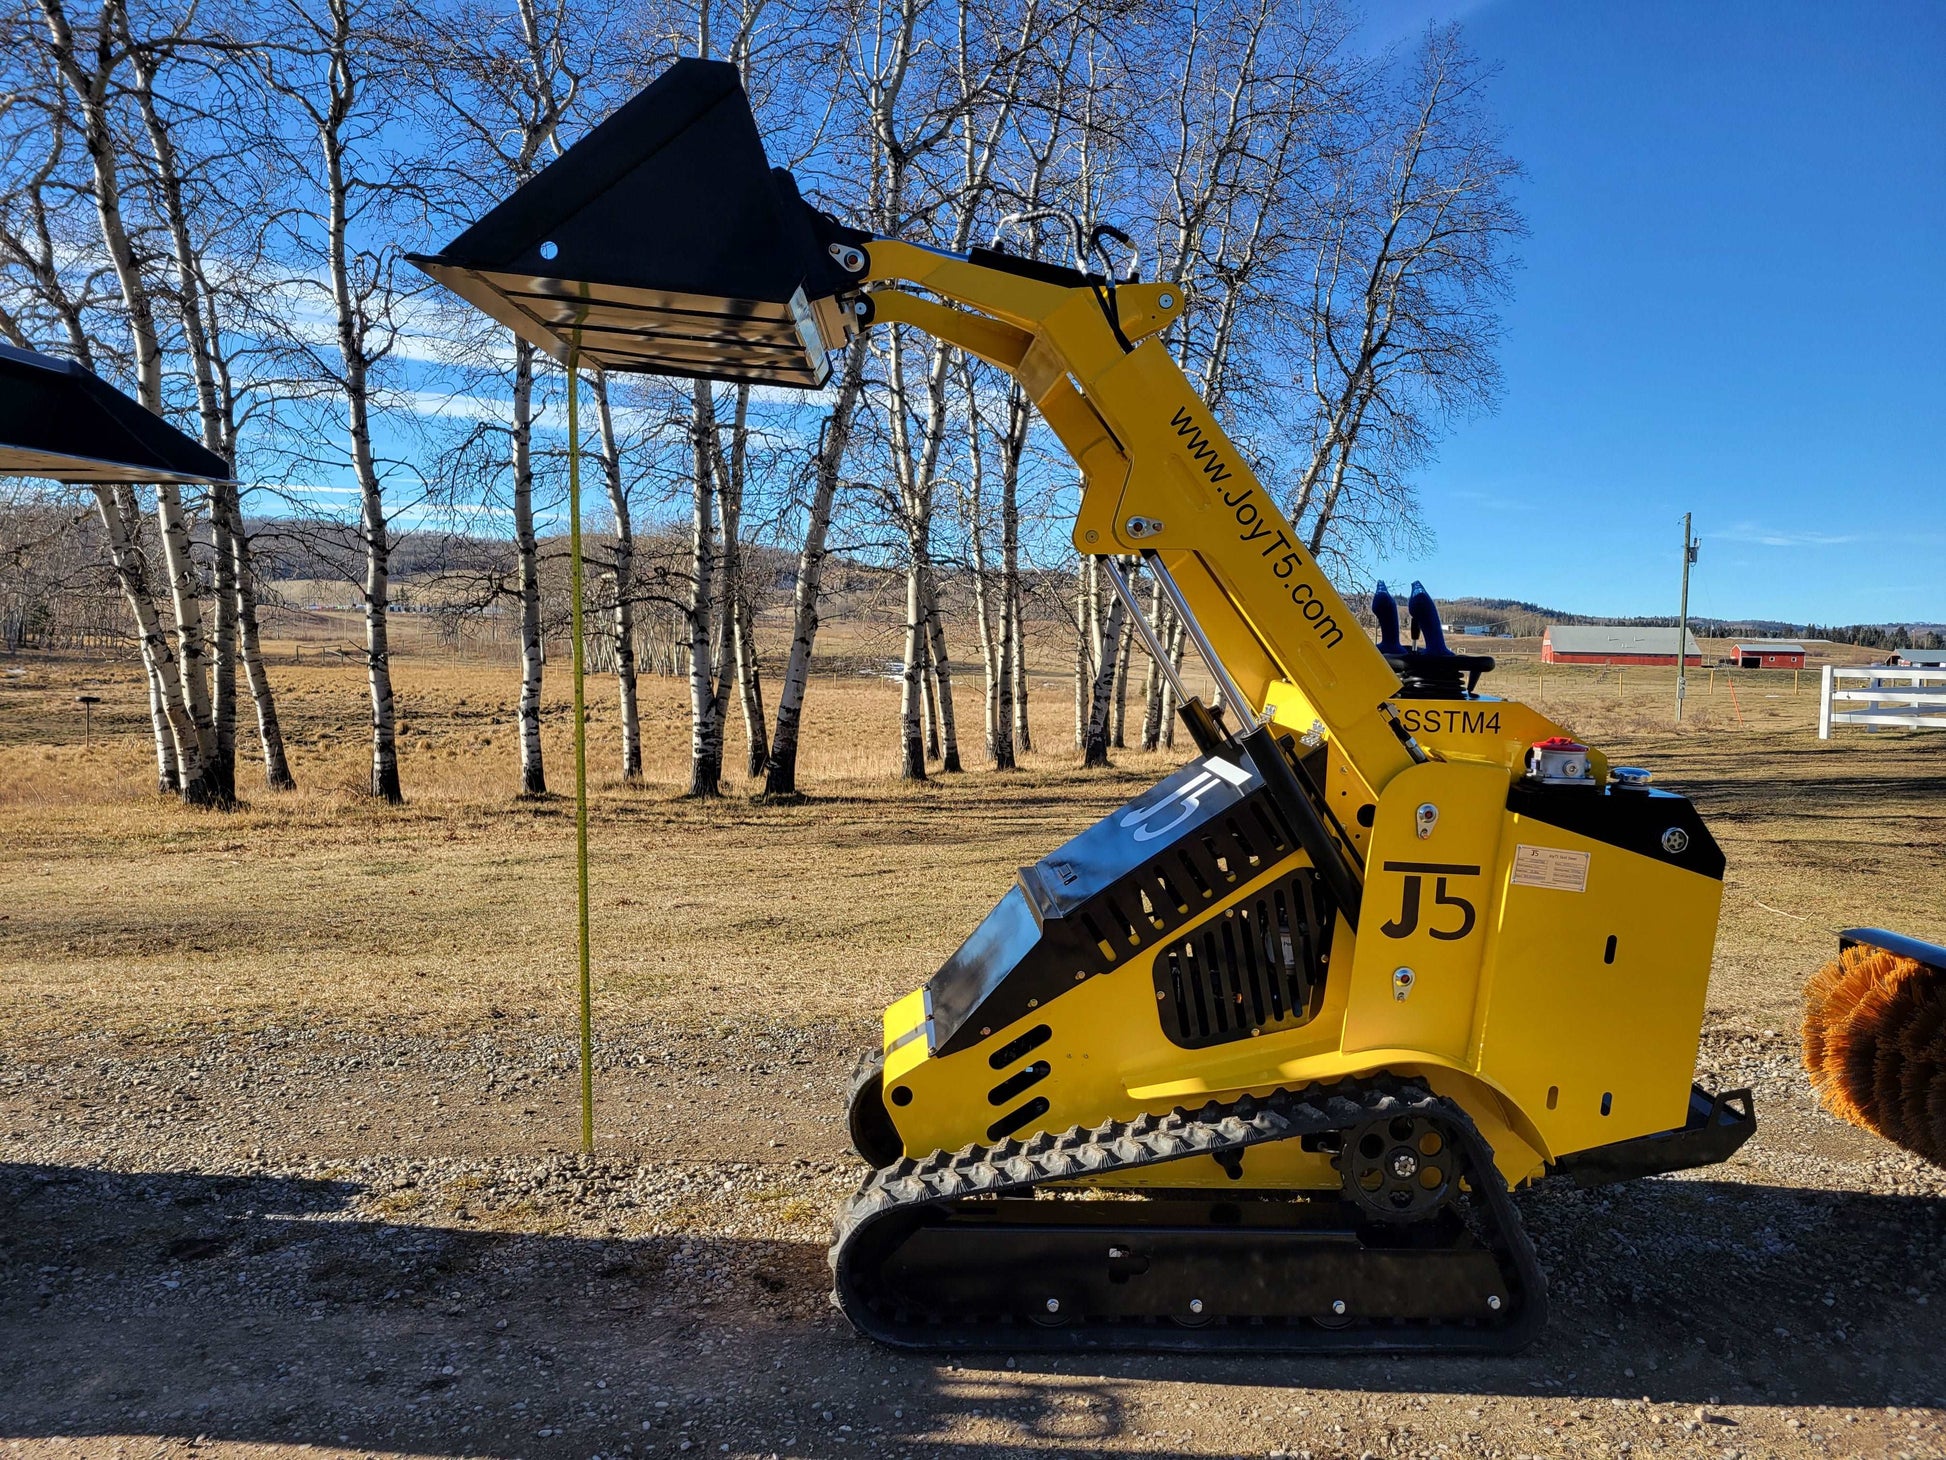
(1595, 1051)
(1427, 910)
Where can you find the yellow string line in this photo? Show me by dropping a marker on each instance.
(580, 743)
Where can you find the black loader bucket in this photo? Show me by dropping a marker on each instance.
(58, 420)
(665, 238)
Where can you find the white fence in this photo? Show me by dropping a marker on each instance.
(1879, 694)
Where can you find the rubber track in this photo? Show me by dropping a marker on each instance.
(1017, 1168)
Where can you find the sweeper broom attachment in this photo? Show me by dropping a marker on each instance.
(1875, 1038)
(1256, 1062)
(59, 421)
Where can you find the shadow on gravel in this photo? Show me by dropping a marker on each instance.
(252, 1309)
(1695, 1292)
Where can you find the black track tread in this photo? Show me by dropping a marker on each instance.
(1016, 1167)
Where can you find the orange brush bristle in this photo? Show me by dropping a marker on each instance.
(1875, 1046)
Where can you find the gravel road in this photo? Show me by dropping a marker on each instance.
(324, 1242)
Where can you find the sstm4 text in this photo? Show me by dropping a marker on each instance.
(1429, 720)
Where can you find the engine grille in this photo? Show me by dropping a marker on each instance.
(1177, 885)
(1257, 968)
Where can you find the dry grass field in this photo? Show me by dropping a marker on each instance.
(287, 1103)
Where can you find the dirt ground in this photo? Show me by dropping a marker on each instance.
(288, 1119)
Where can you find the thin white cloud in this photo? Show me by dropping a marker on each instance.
(451, 406)
(447, 510)
(291, 489)
(1778, 537)
(1389, 21)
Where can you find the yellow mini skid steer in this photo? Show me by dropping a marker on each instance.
(1255, 1062)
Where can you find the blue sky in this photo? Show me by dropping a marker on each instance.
(1732, 302)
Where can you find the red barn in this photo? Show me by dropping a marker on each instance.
(1770, 654)
(1599, 644)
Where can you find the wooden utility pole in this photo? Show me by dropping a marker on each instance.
(1689, 546)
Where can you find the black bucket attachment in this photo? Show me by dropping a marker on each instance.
(60, 421)
(665, 239)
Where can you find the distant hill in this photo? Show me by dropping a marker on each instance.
(1526, 620)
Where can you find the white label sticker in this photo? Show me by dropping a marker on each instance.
(1236, 775)
(1563, 871)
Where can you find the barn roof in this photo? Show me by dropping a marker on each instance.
(1927, 657)
(1606, 639)
(1768, 646)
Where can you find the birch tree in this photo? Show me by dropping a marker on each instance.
(183, 188)
(623, 577)
(705, 725)
(337, 78)
(1009, 699)
(533, 774)
(1400, 316)
(32, 258)
(1107, 638)
(827, 466)
(504, 78)
(736, 642)
(976, 103)
(716, 640)
(89, 72)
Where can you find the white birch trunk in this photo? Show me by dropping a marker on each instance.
(224, 516)
(1002, 750)
(374, 526)
(750, 686)
(223, 649)
(742, 622)
(1095, 752)
(1155, 682)
(93, 89)
(186, 595)
(331, 117)
(1023, 731)
(780, 772)
(1084, 656)
(974, 509)
(735, 646)
(929, 699)
(533, 773)
(173, 727)
(1170, 708)
(705, 733)
(270, 730)
(1123, 654)
(989, 661)
(941, 671)
(625, 689)
(167, 781)
(1011, 712)
(912, 740)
